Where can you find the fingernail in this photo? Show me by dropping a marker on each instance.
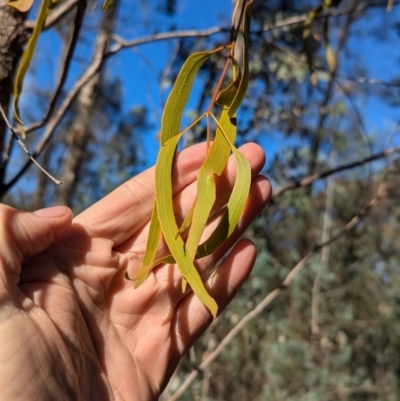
(55, 211)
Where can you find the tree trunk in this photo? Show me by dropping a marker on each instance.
(12, 38)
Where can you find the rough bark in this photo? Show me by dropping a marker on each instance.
(12, 38)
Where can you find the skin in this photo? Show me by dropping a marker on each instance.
(71, 326)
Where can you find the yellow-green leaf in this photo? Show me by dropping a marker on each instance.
(106, 4)
(214, 165)
(241, 92)
(169, 227)
(330, 58)
(179, 95)
(27, 57)
(235, 204)
(151, 248)
(170, 127)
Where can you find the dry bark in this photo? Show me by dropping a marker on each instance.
(12, 38)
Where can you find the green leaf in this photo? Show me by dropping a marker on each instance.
(235, 204)
(206, 190)
(27, 57)
(170, 127)
(244, 82)
(106, 4)
(151, 248)
(169, 227)
(179, 95)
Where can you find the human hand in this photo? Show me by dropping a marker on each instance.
(71, 326)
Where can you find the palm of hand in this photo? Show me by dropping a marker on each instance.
(80, 323)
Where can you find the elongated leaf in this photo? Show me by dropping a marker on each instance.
(27, 57)
(237, 199)
(21, 5)
(151, 248)
(106, 4)
(235, 204)
(169, 227)
(215, 164)
(244, 83)
(170, 127)
(179, 95)
(206, 191)
(163, 219)
(330, 55)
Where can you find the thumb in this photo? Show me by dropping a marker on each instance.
(25, 234)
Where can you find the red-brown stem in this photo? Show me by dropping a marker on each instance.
(219, 84)
(227, 63)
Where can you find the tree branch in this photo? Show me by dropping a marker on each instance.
(65, 64)
(317, 176)
(25, 149)
(59, 114)
(59, 12)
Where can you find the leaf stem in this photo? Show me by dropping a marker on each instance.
(227, 63)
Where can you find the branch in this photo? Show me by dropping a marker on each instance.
(273, 295)
(122, 43)
(300, 19)
(63, 9)
(317, 176)
(25, 149)
(59, 114)
(65, 64)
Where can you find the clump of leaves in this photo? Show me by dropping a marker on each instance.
(163, 221)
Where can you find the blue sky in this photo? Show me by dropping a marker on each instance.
(140, 68)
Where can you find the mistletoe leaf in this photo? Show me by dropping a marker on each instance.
(169, 227)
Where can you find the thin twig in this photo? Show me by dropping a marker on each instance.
(23, 146)
(59, 114)
(300, 19)
(65, 64)
(317, 176)
(122, 43)
(58, 13)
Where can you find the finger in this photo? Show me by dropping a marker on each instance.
(126, 209)
(192, 317)
(25, 234)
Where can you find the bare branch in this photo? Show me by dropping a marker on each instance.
(58, 13)
(122, 43)
(300, 19)
(65, 64)
(25, 149)
(317, 176)
(59, 114)
(192, 33)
